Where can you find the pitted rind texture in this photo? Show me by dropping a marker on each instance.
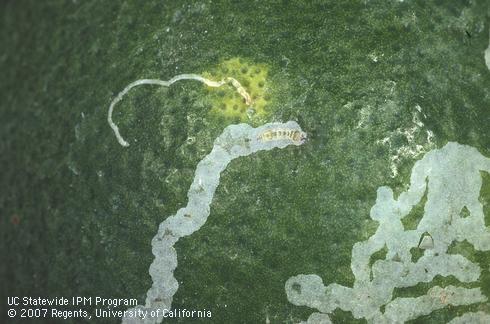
(235, 141)
(451, 176)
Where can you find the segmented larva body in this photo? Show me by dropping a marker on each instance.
(294, 135)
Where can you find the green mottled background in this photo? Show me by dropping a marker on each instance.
(78, 211)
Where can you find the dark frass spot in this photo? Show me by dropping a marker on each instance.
(464, 212)
(261, 84)
(296, 287)
(244, 70)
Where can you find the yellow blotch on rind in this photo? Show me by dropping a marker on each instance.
(226, 101)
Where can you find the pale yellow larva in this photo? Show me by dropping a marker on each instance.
(294, 135)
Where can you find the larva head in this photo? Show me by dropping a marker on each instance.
(300, 137)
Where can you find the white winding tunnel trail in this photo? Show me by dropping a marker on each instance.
(235, 141)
